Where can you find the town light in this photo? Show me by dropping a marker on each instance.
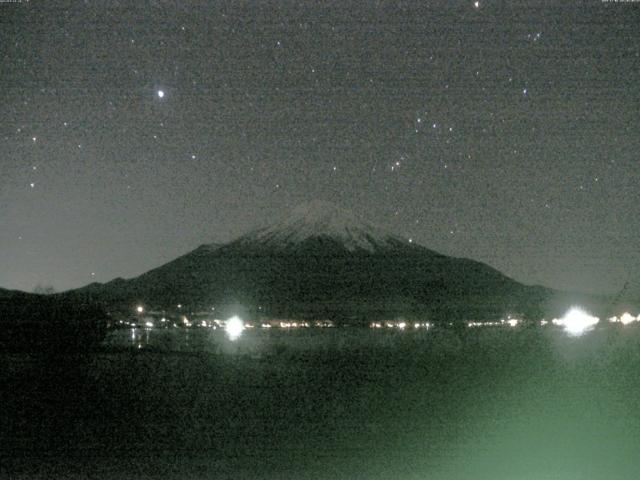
(627, 318)
(234, 327)
(577, 321)
(140, 309)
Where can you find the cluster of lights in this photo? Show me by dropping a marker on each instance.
(401, 325)
(625, 319)
(576, 321)
(289, 324)
(294, 325)
(185, 321)
(485, 324)
(509, 321)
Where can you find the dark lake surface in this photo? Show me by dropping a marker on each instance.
(352, 403)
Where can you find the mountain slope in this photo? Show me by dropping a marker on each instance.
(324, 261)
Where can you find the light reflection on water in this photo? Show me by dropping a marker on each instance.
(482, 404)
(259, 342)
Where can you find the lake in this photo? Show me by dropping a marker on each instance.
(352, 403)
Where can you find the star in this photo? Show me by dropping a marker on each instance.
(476, 5)
(160, 93)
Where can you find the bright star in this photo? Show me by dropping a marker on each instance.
(161, 93)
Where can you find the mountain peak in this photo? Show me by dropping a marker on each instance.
(322, 219)
(323, 214)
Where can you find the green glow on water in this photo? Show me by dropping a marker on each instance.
(494, 404)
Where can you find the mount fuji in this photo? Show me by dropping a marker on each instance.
(323, 261)
(323, 221)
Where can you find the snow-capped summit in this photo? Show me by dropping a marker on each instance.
(321, 219)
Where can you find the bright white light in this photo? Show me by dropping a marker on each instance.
(160, 93)
(139, 309)
(512, 322)
(149, 324)
(576, 321)
(234, 327)
(627, 318)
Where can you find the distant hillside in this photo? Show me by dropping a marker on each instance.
(31, 322)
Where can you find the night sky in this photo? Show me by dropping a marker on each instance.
(507, 132)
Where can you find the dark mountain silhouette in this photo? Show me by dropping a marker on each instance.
(34, 322)
(324, 261)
